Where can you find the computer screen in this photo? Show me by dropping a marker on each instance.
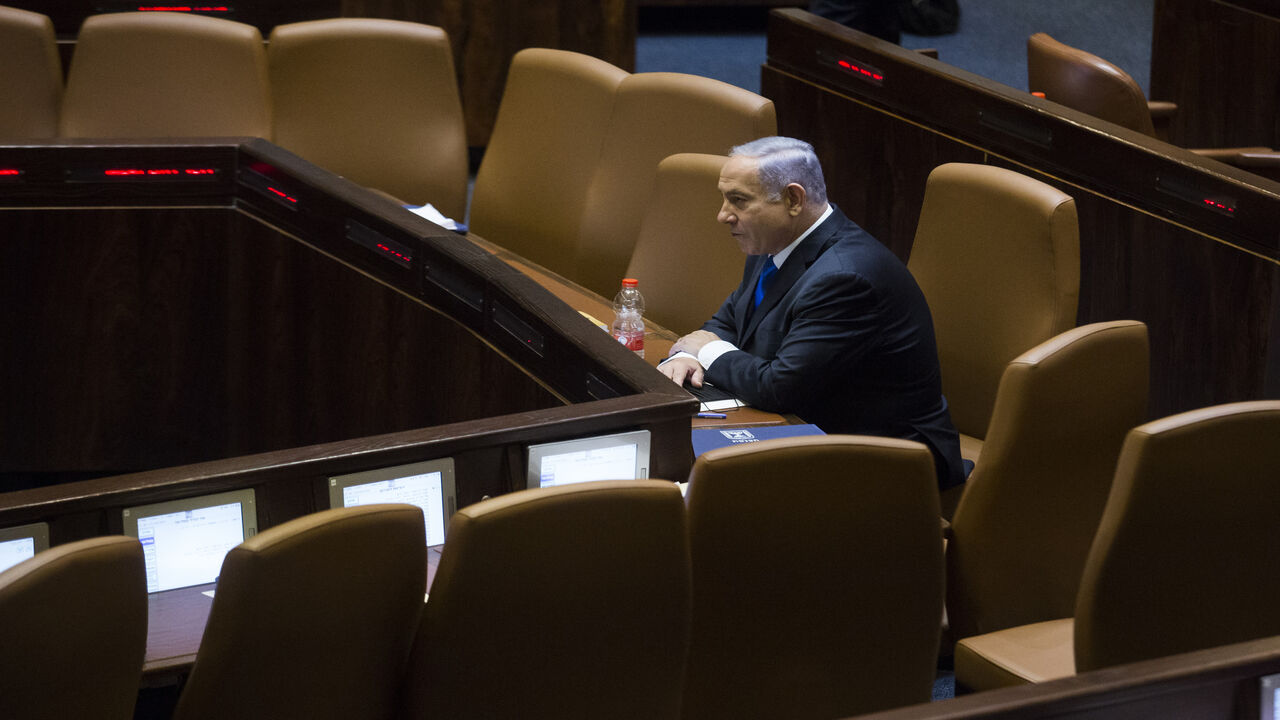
(1270, 700)
(22, 543)
(429, 485)
(184, 541)
(622, 456)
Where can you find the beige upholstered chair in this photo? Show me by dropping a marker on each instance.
(1184, 557)
(158, 74)
(375, 101)
(73, 631)
(561, 602)
(817, 578)
(31, 76)
(1028, 515)
(655, 115)
(313, 618)
(531, 187)
(997, 255)
(686, 259)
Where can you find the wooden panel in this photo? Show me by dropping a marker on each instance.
(1205, 281)
(1217, 61)
(485, 34)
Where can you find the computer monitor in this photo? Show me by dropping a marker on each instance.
(21, 543)
(1269, 700)
(623, 456)
(429, 485)
(184, 541)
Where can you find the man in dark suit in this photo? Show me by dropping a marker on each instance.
(827, 323)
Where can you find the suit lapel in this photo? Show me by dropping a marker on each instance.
(805, 254)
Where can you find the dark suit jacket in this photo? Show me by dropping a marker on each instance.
(844, 339)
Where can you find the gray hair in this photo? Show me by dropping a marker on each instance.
(782, 161)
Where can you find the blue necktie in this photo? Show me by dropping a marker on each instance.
(766, 277)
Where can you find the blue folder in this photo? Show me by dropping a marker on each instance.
(710, 438)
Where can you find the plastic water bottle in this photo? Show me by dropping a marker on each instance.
(628, 318)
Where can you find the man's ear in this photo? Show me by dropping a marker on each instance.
(794, 196)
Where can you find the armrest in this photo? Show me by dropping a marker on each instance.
(1161, 109)
(1261, 161)
(1230, 155)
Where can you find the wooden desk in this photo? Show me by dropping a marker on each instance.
(217, 283)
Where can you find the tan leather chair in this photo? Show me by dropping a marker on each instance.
(561, 602)
(313, 618)
(31, 82)
(1020, 536)
(74, 625)
(685, 259)
(1085, 82)
(817, 578)
(375, 101)
(531, 187)
(997, 255)
(1184, 557)
(655, 115)
(159, 74)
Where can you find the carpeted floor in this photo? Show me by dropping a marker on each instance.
(728, 43)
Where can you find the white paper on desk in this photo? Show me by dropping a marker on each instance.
(429, 212)
(729, 404)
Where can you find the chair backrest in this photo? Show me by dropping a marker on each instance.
(561, 602)
(375, 101)
(1186, 554)
(161, 74)
(31, 80)
(685, 259)
(655, 115)
(313, 618)
(817, 578)
(531, 187)
(73, 631)
(1085, 82)
(1026, 520)
(997, 255)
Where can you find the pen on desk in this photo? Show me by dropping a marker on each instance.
(717, 416)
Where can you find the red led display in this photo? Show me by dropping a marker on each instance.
(394, 254)
(152, 172)
(185, 8)
(1219, 205)
(10, 172)
(861, 71)
(281, 194)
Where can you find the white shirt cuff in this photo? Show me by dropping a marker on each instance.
(678, 355)
(712, 351)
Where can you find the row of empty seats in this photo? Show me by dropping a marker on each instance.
(374, 100)
(804, 579)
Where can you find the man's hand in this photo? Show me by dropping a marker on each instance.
(692, 343)
(681, 369)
